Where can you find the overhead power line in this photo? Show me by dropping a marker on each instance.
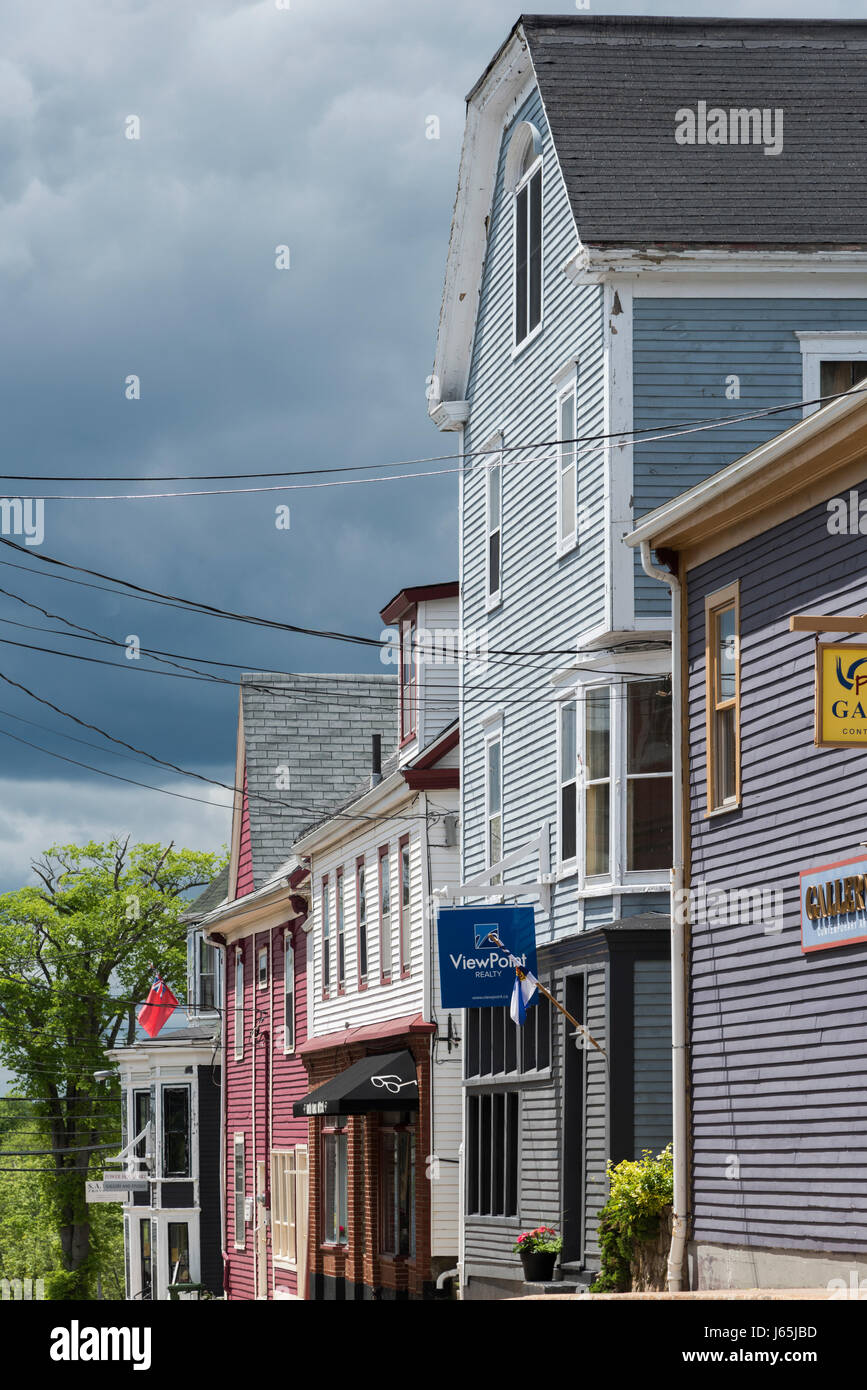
(714, 422)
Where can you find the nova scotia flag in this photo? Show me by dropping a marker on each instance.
(522, 995)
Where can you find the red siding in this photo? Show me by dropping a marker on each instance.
(245, 883)
(276, 1127)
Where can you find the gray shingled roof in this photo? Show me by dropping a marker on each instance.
(320, 727)
(611, 87)
(209, 898)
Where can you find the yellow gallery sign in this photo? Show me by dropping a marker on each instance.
(841, 695)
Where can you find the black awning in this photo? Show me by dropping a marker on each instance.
(384, 1082)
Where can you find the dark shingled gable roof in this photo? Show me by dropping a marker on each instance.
(611, 87)
(319, 727)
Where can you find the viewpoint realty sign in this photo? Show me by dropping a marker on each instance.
(475, 969)
(834, 904)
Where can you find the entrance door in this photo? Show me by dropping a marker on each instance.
(261, 1233)
(302, 1201)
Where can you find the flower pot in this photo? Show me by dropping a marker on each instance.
(538, 1266)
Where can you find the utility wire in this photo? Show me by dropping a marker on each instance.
(716, 421)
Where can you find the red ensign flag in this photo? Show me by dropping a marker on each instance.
(158, 1007)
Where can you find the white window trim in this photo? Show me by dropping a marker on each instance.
(192, 1133)
(493, 734)
(239, 1006)
(832, 346)
(262, 951)
(284, 1261)
(567, 867)
(288, 964)
(239, 1137)
(618, 878)
(493, 600)
(536, 166)
(567, 387)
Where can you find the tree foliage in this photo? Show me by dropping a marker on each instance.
(78, 951)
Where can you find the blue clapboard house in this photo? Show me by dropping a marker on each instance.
(658, 241)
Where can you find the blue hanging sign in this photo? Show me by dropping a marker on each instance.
(475, 971)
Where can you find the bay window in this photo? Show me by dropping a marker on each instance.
(597, 781)
(648, 776)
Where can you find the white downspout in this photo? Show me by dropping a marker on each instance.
(679, 916)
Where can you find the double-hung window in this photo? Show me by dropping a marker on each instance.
(141, 1103)
(396, 1186)
(385, 915)
(340, 928)
(722, 674)
(239, 1004)
(597, 780)
(335, 1167)
(649, 839)
(239, 1190)
(404, 908)
(361, 920)
(326, 938)
(528, 248)
(283, 1204)
(567, 470)
(408, 680)
(207, 993)
(262, 967)
(568, 781)
(494, 798)
(288, 993)
(494, 525)
(176, 1131)
(178, 1241)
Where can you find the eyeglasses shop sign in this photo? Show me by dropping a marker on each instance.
(474, 970)
(834, 904)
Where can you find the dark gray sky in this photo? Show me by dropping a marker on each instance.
(259, 127)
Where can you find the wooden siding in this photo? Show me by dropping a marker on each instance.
(778, 1039)
(245, 883)
(596, 1121)
(683, 350)
(546, 601)
(210, 1239)
(651, 1105)
(280, 1080)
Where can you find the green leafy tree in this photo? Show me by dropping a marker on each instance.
(78, 950)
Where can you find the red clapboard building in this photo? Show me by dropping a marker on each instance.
(304, 744)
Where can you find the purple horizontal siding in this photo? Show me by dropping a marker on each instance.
(778, 1039)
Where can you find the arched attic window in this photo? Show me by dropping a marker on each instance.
(524, 181)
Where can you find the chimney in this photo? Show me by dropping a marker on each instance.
(375, 759)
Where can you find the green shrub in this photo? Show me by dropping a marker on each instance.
(639, 1191)
(64, 1284)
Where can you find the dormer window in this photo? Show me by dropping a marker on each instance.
(528, 241)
